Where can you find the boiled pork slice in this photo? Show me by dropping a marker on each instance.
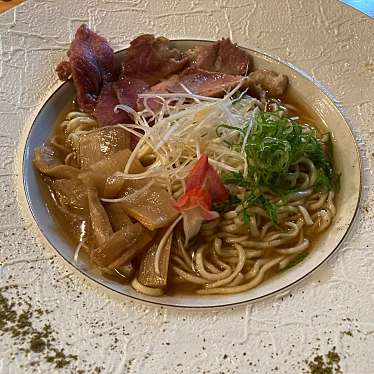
(63, 70)
(206, 83)
(127, 90)
(124, 91)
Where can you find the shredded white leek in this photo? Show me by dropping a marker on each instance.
(185, 125)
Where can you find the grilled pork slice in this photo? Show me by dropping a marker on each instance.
(105, 107)
(200, 82)
(222, 56)
(91, 64)
(152, 59)
(206, 83)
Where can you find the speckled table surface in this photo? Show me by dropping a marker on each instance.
(52, 320)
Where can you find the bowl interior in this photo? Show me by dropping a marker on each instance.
(308, 92)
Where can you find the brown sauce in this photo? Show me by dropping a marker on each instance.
(303, 111)
(186, 288)
(66, 229)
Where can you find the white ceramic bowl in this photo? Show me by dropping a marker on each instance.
(346, 162)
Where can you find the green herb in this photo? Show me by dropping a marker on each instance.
(273, 148)
(261, 201)
(252, 198)
(245, 216)
(235, 178)
(295, 261)
(225, 126)
(275, 144)
(229, 127)
(232, 202)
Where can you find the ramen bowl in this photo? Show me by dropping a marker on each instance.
(309, 93)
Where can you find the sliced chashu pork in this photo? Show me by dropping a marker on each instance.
(91, 64)
(152, 59)
(123, 91)
(222, 56)
(200, 82)
(215, 84)
(105, 107)
(267, 81)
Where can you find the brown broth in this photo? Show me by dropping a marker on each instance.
(302, 110)
(305, 113)
(62, 222)
(186, 288)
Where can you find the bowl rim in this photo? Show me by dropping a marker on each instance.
(158, 301)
